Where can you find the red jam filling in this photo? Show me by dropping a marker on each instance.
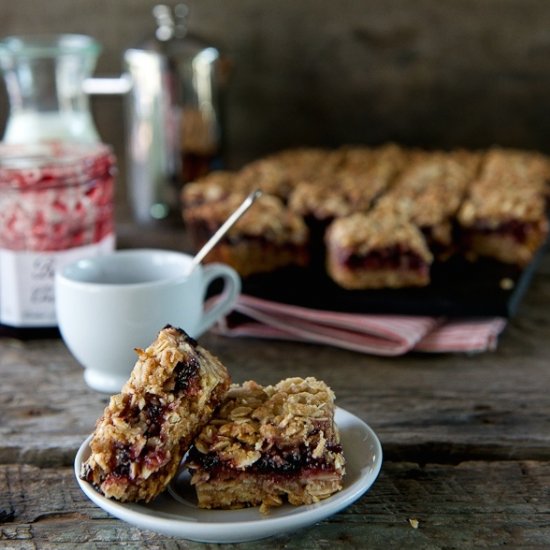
(394, 258)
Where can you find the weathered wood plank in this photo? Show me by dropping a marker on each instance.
(423, 407)
(473, 504)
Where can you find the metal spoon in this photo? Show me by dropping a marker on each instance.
(213, 241)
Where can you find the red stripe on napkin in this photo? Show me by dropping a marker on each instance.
(464, 335)
(376, 334)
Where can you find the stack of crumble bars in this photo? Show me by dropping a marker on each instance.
(375, 216)
(246, 445)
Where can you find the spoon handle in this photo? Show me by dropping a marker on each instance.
(213, 241)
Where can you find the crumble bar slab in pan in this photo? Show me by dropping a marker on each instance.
(467, 204)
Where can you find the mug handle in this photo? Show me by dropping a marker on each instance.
(223, 302)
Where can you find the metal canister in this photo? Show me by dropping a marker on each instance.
(173, 114)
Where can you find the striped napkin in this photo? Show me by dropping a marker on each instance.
(389, 335)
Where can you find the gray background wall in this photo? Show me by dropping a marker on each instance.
(437, 73)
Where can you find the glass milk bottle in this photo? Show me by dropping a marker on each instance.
(44, 77)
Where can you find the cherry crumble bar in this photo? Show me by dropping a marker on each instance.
(268, 236)
(269, 444)
(428, 194)
(145, 430)
(504, 215)
(353, 185)
(376, 251)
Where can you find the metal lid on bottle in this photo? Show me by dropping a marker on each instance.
(171, 36)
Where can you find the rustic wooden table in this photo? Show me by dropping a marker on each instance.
(466, 439)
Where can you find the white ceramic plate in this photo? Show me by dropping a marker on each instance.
(175, 513)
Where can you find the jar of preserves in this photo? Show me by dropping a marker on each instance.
(56, 206)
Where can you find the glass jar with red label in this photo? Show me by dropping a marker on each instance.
(56, 206)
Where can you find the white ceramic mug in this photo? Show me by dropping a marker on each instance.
(108, 305)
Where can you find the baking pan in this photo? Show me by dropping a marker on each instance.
(458, 288)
